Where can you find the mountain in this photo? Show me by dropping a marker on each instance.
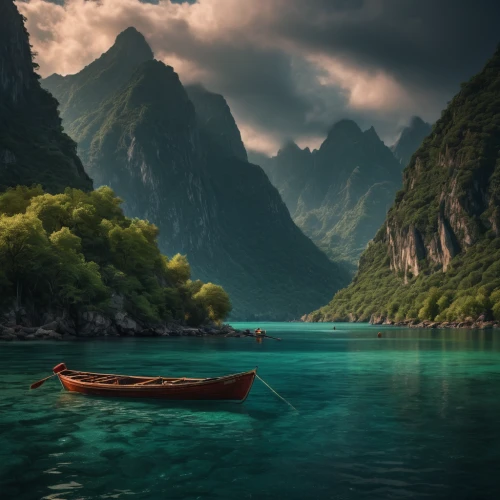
(83, 92)
(33, 147)
(410, 139)
(177, 159)
(437, 255)
(339, 194)
(215, 119)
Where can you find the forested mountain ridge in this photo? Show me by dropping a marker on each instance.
(437, 257)
(33, 146)
(181, 164)
(339, 194)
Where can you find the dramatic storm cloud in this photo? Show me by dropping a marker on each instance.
(289, 68)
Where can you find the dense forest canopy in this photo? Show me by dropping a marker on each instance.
(469, 288)
(77, 250)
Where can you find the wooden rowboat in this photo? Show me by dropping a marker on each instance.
(227, 388)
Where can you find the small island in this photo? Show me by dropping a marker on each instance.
(75, 266)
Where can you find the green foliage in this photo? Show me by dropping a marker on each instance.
(74, 250)
(430, 309)
(178, 269)
(16, 200)
(469, 288)
(215, 300)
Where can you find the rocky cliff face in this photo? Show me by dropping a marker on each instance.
(146, 146)
(339, 195)
(449, 197)
(33, 148)
(215, 119)
(410, 139)
(443, 227)
(181, 164)
(81, 93)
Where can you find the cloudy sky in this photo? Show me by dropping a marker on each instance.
(289, 68)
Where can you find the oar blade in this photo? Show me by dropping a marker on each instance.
(38, 384)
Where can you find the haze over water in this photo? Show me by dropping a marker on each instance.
(411, 415)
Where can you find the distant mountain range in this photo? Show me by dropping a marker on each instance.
(339, 194)
(437, 255)
(175, 156)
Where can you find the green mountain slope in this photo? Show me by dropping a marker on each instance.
(185, 171)
(33, 147)
(338, 195)
(81, 93)
(437, 255)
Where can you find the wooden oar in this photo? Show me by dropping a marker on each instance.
(269, 337)
(38, 384)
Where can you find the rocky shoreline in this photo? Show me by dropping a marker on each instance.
(479, 324)
(94, 325)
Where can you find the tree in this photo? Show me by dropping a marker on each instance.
(52, 210)
(73, 280)
(16, 200)
(430, 308)
(215, 300)
(22, 245)
(131, 251)
(178, 269)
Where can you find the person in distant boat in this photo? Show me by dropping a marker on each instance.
(258, 331)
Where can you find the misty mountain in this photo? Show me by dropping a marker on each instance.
(410, 139)
(339, 194)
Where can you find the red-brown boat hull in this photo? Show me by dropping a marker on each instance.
(229, 388)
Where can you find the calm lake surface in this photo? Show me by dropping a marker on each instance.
(415, 414)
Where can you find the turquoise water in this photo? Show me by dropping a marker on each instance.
(415, 414)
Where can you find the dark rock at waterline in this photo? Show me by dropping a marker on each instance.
(97, 325)
(478, 324)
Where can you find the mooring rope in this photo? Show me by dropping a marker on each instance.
(281, 397)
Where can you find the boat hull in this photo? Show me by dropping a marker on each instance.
(229, 388)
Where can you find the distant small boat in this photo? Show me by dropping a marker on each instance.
(227, 388)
